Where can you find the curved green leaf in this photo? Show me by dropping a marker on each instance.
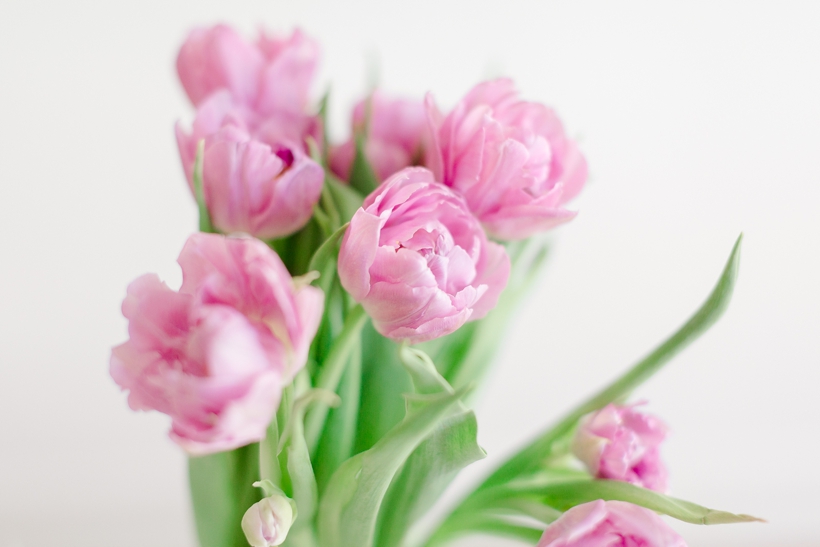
(435, 463)
(426, 474)
(532, 457)
(563, 496)
(350, 504)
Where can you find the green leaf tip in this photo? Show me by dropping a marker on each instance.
(563, 496)
(554, 442)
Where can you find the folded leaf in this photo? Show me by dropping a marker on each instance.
(435, 463)
(350, 504)
(426, 474)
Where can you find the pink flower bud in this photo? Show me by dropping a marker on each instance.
(261, 183)
(510, 159)
(602, 523)
(272, 76)
(393, 140)
(267, 522)
(215, 355)
(619, 443)
(418, 261)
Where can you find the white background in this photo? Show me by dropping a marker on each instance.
(699, 120)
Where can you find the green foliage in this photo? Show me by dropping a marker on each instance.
(362, 177)
(432, 466)
(331, 372)
(350, 505)
(563, 496)
(545, 446)
(221, 491)
(384, 381)
(529, 464)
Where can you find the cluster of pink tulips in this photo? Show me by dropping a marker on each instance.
(341, 299)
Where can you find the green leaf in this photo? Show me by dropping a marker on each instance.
(324, 259)
(347, 199)
(384, 380)
(563, 496)
(533, 456)
(221, 491)
(331, 371)
(339, 435)
(426, 474)
(362, 176)
(269, 466)
(300, 470)
(490, 524)
(204, 216)
(350, 505)
(322, 115)
(435, 463)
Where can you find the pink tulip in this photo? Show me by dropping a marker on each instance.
(418, 261)
(393, 137)
(607, 524)
(510, 159)
(215, 355)
(267, 188)
(619, 443)
(271, 77)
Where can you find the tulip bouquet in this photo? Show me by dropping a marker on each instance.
(340, 302)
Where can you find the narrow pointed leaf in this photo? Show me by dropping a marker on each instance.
(566, 495)
(362, 177)
(532, 457)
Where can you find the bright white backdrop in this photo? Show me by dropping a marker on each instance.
(699, 120)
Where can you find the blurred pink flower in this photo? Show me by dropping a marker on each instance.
(272, 76)
(393, 140)
(215, 355)
(256, 178)
(418, 261)
(619, 443)
(609, 523)
(510, 159)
